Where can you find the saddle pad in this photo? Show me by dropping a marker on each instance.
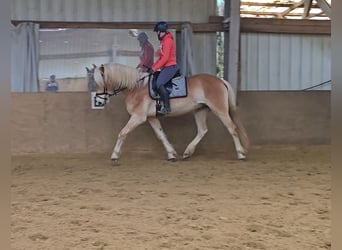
(179, 88)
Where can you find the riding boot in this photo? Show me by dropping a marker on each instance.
(154, 83)
(165, 98)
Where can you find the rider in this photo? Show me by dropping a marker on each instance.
(166, 63)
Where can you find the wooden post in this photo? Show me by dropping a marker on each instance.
(232, 43)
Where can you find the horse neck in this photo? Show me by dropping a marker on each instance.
(137, 93)
(130, 84)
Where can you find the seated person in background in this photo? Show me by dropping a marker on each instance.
(52, 85)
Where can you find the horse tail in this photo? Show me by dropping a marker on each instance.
(234, 113)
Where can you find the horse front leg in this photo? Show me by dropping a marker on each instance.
(132, 123)
(201, 122)
(157, 128)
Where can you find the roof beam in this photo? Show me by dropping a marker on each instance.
(292, 7)
(325, 7)
(290, 26)
(307, 7)
(266, 25)
(274, 4)
(276, 14)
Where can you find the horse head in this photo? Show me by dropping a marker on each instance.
(90, 79)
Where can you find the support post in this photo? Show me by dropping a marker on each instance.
(232, 43)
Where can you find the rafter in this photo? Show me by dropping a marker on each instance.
(292, 7)
(304, 9)
(325, 7)
(272, 4)
(278, 15)
(307, 7)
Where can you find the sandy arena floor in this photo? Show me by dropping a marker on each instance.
(278, 199)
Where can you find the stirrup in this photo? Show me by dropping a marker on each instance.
(163, 111)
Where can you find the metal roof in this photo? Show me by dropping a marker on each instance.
(289, 9)
(294, 9)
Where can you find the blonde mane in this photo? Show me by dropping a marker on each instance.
(117, 76)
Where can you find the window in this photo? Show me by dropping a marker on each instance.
(66, 52)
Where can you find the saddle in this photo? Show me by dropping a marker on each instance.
(176, 87)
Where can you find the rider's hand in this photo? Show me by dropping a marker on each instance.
(149, 70)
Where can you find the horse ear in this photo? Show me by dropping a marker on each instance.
(94, 66)
(102, 69)
(88, 70)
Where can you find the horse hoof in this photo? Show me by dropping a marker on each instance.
(243, 159)
(172, 159)
(115, 162)
(186, 156)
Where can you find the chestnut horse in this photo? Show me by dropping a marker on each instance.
(205, 93)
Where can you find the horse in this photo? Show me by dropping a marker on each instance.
(205, 93)
(91, 82)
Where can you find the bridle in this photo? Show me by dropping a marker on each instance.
(105, 95)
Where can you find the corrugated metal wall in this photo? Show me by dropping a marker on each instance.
(285, 61)
(113, 10)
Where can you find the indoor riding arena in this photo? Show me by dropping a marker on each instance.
(66, 194)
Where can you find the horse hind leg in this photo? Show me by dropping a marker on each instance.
(201, 122)
(232, 129)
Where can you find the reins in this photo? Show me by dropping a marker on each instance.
(142, 78)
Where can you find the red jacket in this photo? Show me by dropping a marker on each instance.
(146, 56)
(166, 53)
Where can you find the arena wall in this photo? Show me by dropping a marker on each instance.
(65, 123)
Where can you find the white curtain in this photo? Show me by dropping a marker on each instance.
(187, 62)
(25, 58)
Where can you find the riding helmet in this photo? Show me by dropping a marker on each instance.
(160, 26)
